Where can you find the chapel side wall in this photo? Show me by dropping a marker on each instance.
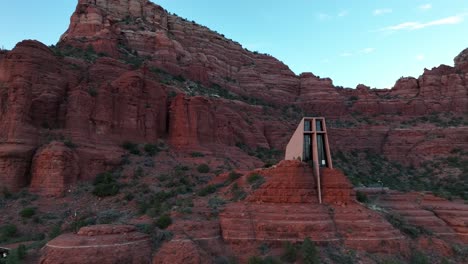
(294, 149)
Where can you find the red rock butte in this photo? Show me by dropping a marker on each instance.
(128, 71)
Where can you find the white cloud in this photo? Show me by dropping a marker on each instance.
(382, 11)
(346, 54)
(425, 6)
(343, 13)
(457, 19)
(323, 16)
(420, 57)
(367, 50)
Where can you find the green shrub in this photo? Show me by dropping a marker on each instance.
(203, 168)
(151, 149)
(254, 178)
(105, 185)
(7, 232)
(164, 221)
(6, 193)
(28, 212)
(92, 92)
(215, 203)
(255, 260)
(131, 147)
(309, 252)
(55, 232)
(234, 175)
(419, 258)
(69, 144)
(197, 154)
(362, 197)
(138, 172)
(398, 222)
(289, 252)
(16, 255)
(21, 251)
(81, 222)
(207, 190)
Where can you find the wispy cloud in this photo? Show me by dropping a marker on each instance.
(323, 16)
(425, 6)
(452, 20)
(343, 13)
(346, 54)
(420, 57)
(382, 11)
(367, 50)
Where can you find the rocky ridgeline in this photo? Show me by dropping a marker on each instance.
(93, 99)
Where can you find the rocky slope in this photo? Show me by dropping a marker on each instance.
(128, 80)
(116, 69)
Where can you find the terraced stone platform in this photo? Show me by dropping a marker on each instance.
(446, 219)
(286, 208)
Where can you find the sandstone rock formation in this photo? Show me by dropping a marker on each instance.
(99, 244)
(285, 208)
(55, 167)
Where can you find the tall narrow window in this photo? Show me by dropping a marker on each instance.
(307, 125)
(319, 125)
(322, 158)
(307, 148)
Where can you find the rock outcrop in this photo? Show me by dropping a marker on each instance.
(55, 167)
(285, 208)
(99, 244)
(106, 83)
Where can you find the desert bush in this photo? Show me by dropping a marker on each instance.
(55, 232)
(105, 185)
(234, 175)
(28, 212)
(289, 252)
(207, 190)
(309, 252)
(131, 147)
(7, 232)
(164, 221)
(254, 178)
(197, 154)
(151, 149)
(203, 168)
(362, 197)
(215, 203)
(419, 258)
(255, 260)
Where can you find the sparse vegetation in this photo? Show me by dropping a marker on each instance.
(406, 178)
(268, 156)
(234, 176)
(207, 190)
(400, 223)
(197, 154)
(132, 148)
(203, 168)
(105, 184)
(362, 197)
(309, 252)
(255, 180)
(8, 232)
(151, 149)
(28, 212)
(164, 221)
(289, 252)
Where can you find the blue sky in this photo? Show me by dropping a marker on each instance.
(373, 42)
